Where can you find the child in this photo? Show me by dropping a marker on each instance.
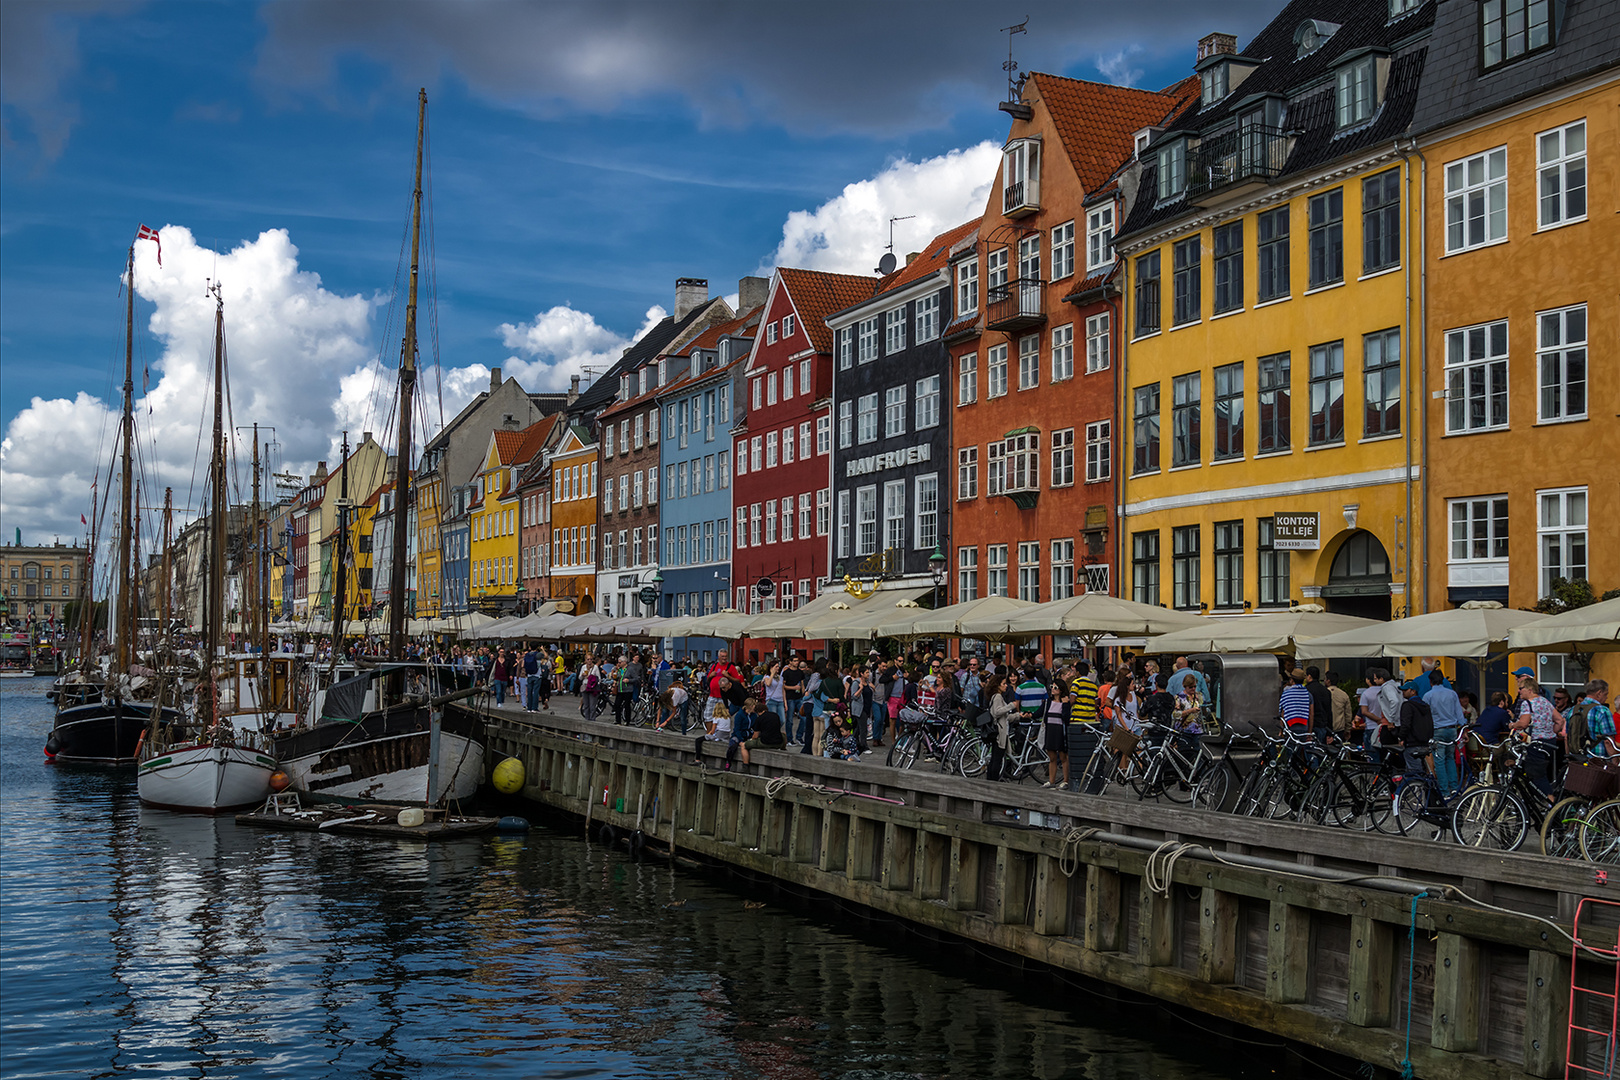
(838, 741)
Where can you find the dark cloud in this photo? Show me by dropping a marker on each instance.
(811, 68)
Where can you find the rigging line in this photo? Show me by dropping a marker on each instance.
(433, 277)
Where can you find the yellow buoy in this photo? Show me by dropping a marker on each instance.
(508, 776)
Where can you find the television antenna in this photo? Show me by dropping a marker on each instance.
(888, 262)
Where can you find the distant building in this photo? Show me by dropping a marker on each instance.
(40, 581)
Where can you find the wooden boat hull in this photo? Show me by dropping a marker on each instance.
(102, 732)
(205, 779)
(385, 756)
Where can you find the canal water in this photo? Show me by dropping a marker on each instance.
(138, 942)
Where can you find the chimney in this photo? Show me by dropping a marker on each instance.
(690, 294)
(911, 256)
(573, 389)
(751, 293)
(320, 472)
(494, 379)
(365, 437)
(1216, 45)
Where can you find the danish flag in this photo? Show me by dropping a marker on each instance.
(152, 235)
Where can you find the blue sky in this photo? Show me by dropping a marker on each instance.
(583, 157)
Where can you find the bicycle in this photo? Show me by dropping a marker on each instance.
(1499, 816)
(1171, 769)
(1024, 751)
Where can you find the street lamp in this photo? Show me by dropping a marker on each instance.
(936, 570)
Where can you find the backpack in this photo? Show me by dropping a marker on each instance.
(590, 683)
(1576, 735)
(1159, 707)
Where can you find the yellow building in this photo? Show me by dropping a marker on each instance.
(360, 561)
(1266, 401)
(1519, 153)
(493, 527)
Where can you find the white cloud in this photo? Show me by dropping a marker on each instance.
(1116, 67)
(562, 342)
(847, 234)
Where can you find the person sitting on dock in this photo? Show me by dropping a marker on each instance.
(672, 704)
(742, 730)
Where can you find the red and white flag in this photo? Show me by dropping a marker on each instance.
(82, 521)
(152, 235)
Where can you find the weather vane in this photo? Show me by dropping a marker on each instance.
(1015, 87)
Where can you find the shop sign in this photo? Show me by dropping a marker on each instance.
(1296, 532)
(911, 455)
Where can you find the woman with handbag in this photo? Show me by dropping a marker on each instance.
(1003, 703)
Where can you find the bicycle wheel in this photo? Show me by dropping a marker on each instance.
(1562, 827)
(1210, 790)
(1492, 818)
(1352, 803)
(907, 749)
(972, 756)
(1411, 803)
(1179, 770)
(896, 745)
(1148, 782)
(1600, 839)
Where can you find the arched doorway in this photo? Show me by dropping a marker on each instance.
(1358, 581)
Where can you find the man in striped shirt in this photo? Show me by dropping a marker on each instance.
(1295, 706)
(1085, 727)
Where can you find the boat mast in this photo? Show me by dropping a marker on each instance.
(216, 555)
(261, 564)
(124, 638)
(164, 609)
(407, 387)
(87, 588)
(339, 574)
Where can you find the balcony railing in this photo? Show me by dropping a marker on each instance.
(1248, 154)
(1017, 305)
(1019, 199)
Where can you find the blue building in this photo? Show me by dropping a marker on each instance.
(699, 403)
(454, 557)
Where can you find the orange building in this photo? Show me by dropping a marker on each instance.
(1034, 346)
(574, 520)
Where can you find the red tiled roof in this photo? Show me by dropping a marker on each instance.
(1097, 121)
(534, 438)
(506, 444)
(933, 258)
(817, 295)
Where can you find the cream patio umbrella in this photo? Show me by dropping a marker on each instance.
(872, 618)
(1474, 631)
(780, 623)
(1594, 628)
(1269, 632)
(947, 621)
(729, 624)
(1090, 615)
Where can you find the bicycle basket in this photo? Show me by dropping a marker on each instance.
(1595, 779)
(1122, 740)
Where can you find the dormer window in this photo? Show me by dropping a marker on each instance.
(1021, 177)
(624, 388)
(1215, 82)
(1310, 36)
(643, 389)
(1357, 91)
(663, 370)
(1172, 169)
(1143, 137)
(1509, 29)
(1397, 8)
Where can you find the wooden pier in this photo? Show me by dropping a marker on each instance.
(1297, 930)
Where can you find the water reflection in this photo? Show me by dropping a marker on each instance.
(143, 942)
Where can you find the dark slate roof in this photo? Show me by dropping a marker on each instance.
(1307, 83)
(1585, 40)
(647, 348)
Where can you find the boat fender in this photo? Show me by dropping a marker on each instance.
(608, 835)
(140, 742)
(53, 746)
(411, 817)
(280, 781)
(507, 776)
(512, 824)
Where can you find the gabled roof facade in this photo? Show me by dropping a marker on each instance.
(817, 295)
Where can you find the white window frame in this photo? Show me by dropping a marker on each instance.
(805, 520)
(770, 333)
(894, 330)
(1570, 503)
(1479, 529)
(754, 458)
(846, 424)
(995, 270)
(1099, 237)
(1559, 172)
(967, 379)
(824, 433)
(1356, 92)
(787, 327)
(805, 446)
(1062, 564)
(759, 393)
(1099, 451)
(1022, 462)
(770, 386)
(866, 419)
(894, 411)
(866, 520)
(926, 494)
(786, 514)
(846, 348)
(894, 514)
(967, 287)
(1099, 352)
(995, 570)
(1063, 457)
(1029, 571)
(926, 405)
(1567, 352)
(770, 521)
(1063, 251)
(1463, 188)
(823, 510)
(996, 371)
(844, 523)
(1460, 368)
(770, 450)
(926, 319)
(967, 574)
(1063, 352)
(995, 468)
(967, 473)
(868, 340)
(1029, 362)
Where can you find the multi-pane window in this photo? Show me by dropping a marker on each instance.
(894, 411)
(742, 526)
(995, 564)
(770, 387)
(754, 461)
(1145, 422)
(1561, 536)
(1228, 564)
(927, 512)
(1186, 419)
(1189, 305)
(1098, 352)
(846, 423)
(1327, 393)
(1561, 362)
(724, 458)
(1029, 361)
(1381, 386)
(1099, 451)
(1228, 412)
(846, 349)
(1381, 221)
(927, 317)
(1063, 568)
(1273, 587)
(770, 521)
(1029, 258)
(868, 340)
(1022, 461)
(823, 510)
(787, 518)
(866, 419)
(1063, 457)
(1561, 174)
(635, 488)
(1509, 29)
(1099, 237)
(770, 450)
(927, 402)
(1063, 250)
(995, 270)
(894, 330)
(866, 522)
(967, 379)
(1325, 220)
(967, 287)
(1476, 200)
(1184, 566)
(1228, 267)
(967, 472)
(996, 371)
(824, 434)
(804, 436)
(1172, 170)
(1477, 378)
(756, 521)
(804, 515)
(1271, 255)
(1357, 91)
(1479, 529)
(843, 523)
(967, 574)
(995, 470)
(894, 514)
(1029, 572)
(1273, 404)
(1145, 567)
(1063, 352)
(1147, 293)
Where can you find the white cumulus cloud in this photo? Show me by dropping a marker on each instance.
(562, 342)
(848, 233)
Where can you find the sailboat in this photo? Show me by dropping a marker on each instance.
(209, 766)
(376, 732)
(102, 715)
